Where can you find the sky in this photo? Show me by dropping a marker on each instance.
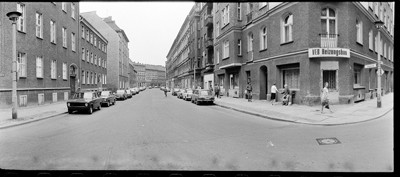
(151, 27)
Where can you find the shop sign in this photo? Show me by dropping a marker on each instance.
(328, 52)
(373, 65)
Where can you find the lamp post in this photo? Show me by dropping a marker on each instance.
(13, 16)
(378, 25)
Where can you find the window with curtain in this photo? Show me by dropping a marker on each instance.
(291, 77)
(263, 38)
(39, 67)
(287, 29)
(359, 29)
(39, 25)
(21, 64)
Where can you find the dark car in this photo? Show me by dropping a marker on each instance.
(108, 98)
(174, 91)
(84, 101)
(121, 95)
(201, 95)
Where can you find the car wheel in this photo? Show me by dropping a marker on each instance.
(70, 111)
(90, 109)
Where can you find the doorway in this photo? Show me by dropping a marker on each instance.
(263, 82)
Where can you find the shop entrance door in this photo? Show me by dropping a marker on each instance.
(331, 76)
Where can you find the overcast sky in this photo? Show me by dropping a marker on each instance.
(151, 27)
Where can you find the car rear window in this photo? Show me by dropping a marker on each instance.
(120, 91)
(205, 92)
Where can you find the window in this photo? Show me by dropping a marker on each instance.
(370, 5)
(21, 19)
(95, 60)
(95, 41)
(23, 100)
(39, 67)
(64, 68)
(52, 31)
(73, 41)
(83, 77)
(87, 56)
(95, 78)
(359, 31)
(87, 77)
(291, 77)
(91, 38)
(217, 30)
(87, 35)
(376, 43)
(250, 42)
(263, 36)
(384, 51)
(100, 62)
(73, 10)
(21, 64)
(239, 47)
(371, 40)
(262, 4)
(225, 16)
(83, 54)
(53, 69)
(91, 57)
(239, 11)
(64, 36)
(39, 25)
(217, 57)
(225, 51)
(328, 21)
(64, 6)
(83, 32)
(92, 77)
(287, 29)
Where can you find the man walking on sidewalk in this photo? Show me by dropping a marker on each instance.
(217, 90)
(325, 99)
(273, 94)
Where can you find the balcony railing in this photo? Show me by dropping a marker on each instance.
(209, 20)
(329, 40)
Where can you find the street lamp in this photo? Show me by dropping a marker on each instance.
(378, 25)
(13, 16)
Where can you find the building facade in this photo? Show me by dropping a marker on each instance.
(141, 74)
(93, 64)
(132, 75)
(293, 43)
(47, 52)
(154, 75)
(116, 50)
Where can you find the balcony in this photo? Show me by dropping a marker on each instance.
(329, 40)
(209, 20)
(209, 43)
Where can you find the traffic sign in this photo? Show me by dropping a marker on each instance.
(381, 71)
(373, 65)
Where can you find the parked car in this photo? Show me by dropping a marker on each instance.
(168, 89)
(179, 93)
(121, 95)
(174, 91)
(133, 91)
(187, 95)
(128, 93)
(84, 101)
(202, 95)
(108, 98)
(162, 88)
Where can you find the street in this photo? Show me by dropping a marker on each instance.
(153, 132)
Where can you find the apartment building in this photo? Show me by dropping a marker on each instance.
(154, 75)
(141, 73)
(116, 50)
(132, 75)
(47, 52)
(93, 63)
(303, 44)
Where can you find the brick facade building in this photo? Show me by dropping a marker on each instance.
(47, 52)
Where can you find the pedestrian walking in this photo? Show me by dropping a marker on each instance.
(249, 89)
(325, 99)
(216, 90)
(273, 93)
(165, 92)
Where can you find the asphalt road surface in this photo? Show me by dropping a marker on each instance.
(153, 132)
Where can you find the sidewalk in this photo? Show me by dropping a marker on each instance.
(342, 114)
(31, 114)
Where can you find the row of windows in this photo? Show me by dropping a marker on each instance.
(90, 77)
(93, 59)
(22, 67)
(92, 39)
(39, 27)
(23, 99)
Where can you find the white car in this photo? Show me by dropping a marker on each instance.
(187, 95)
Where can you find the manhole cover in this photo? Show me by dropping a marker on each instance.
(327, 141)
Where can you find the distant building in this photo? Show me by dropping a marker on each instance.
(93, 64)
(47, 52)
(117, 50)
(154, 75)
(141, 74)
(132, 75)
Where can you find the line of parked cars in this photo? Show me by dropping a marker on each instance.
(196, 96)
(88, 101)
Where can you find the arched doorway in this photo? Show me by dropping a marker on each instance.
(263, 82)
(72, 78)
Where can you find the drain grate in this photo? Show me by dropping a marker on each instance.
(327, 141)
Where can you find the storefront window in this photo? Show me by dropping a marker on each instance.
(291, 78)
(330, 77)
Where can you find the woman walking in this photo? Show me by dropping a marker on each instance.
(325, 99)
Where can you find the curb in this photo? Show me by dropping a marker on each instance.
(294, 121)
(35, 120)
